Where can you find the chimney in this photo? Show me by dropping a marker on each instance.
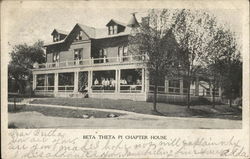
(133, 21)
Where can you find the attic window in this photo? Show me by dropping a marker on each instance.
(56, 37)
(112, 29)
(79, 36)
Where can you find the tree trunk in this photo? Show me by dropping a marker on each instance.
(155, 98)
(20, 87)
(188, 91)
(188, 96)
(230, 99)
(213, 94)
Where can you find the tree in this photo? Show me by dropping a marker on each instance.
(22, 59)
(190, 30)
(155, 39)
(224, 61)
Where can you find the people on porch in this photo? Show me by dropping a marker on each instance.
(113, 82)
(106, 84)
(124, 82)
(138, 82)
(96, 82)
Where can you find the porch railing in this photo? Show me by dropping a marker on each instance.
(130, 88)
(44, 88)
(103, 89)
(95, 61)
(66, 88)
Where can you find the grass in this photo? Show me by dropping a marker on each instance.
(220, 111)
(60, 112)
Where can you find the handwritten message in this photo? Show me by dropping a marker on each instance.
(55, 144)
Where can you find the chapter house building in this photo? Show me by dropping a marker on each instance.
(97, 61)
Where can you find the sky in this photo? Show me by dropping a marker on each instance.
(27, 24)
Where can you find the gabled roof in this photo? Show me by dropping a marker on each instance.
(59, 31)
(90, 31)
(116, 22)
(93, 33)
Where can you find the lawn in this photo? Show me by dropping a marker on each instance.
(60, 112)
(170, 110)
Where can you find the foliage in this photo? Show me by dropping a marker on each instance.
(155, 40)
(191, 29)
(23, 57)
(224, 61)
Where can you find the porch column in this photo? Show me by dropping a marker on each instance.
(166, 84)
(46, 82)
(219, 91)
(34, 82)
(197, 86)
(146, 80)
(181, 85)
(143, 80)
(118, 79)
(56, 83)
(90, 77)
(76, 81)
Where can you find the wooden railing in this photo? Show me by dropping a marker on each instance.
(44, 88)
(66, 88)
(130, 88)
(95, 61)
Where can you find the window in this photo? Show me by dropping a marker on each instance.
(102, 54)
(56, 57)
(174, 86)
(79, 36)
(56, 37)
(78, 54)
(113, 29)
(123, 52)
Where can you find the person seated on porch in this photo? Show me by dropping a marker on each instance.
(123, 82)
(96, 82)
(113, 82)
(106, 84)
(103, 83)
(138, 82)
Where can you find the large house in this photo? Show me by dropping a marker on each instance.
(96, 61)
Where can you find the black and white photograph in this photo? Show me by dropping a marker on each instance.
(125, 79)
(133, 68)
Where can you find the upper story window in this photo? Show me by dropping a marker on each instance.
(56, 57)
(78, 54)
(123, 51)
(102, 53)
(113, 29)
(79, 36)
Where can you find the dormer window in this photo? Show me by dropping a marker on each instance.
(113, 29)
(110, 30)
(56, 37)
